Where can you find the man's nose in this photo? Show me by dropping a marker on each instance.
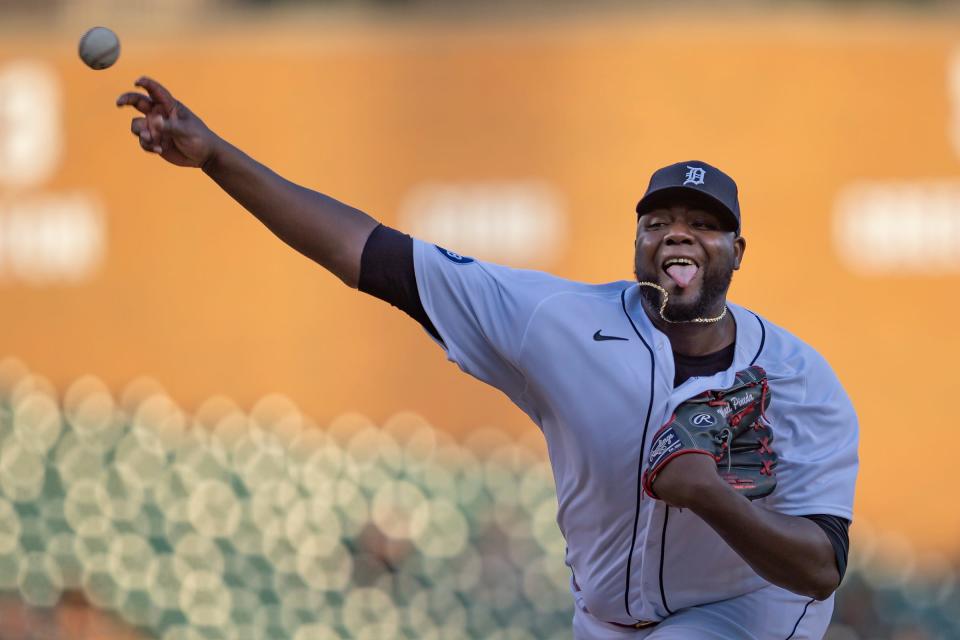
(678, 233)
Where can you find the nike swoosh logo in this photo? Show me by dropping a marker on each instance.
(600, 338)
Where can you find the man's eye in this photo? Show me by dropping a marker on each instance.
(654, 225)
(704, 224)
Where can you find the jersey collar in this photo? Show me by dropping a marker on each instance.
(751, 332)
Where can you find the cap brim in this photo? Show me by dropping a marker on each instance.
(690, 196)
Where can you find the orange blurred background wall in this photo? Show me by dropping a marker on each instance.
(841, 136)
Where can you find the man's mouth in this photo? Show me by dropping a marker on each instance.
(681, 270)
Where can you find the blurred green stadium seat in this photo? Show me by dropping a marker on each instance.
(229, 524)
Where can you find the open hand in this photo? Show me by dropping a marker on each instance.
(167, 127)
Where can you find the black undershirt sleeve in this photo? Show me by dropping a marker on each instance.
(687, 367)
(387, 272)
(837, 530)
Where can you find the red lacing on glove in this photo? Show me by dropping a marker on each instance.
(767, 469)
(762, 421)
(738, 416)
(765, 445)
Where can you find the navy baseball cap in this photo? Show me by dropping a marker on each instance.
(703, 184)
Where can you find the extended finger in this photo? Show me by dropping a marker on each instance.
(147, 144)
(136, 100)
(158, 93)
(156, 124)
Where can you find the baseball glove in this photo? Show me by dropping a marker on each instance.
(729, 425)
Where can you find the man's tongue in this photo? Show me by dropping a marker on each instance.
(682, 274)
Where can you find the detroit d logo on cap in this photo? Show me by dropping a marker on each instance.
(694, 175)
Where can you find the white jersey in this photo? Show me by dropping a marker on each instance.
(591, 370)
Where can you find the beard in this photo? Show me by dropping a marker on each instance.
(713, 292)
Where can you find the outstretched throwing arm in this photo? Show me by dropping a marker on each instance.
(325, 230)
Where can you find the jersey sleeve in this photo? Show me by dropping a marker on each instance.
(480, 311)
(816, 436)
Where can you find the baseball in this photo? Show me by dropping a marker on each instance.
(99, 48)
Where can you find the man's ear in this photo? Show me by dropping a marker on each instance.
(739, 247)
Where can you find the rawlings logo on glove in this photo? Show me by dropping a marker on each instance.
(730, 426)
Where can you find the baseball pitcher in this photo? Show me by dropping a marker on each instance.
(704, 458)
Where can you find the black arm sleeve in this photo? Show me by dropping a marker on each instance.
(387, 272)
(836, 529)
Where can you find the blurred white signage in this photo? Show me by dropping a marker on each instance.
(953, 94)
(899, 228)
(521, 223)
(30, 130)
(902, 228)
(45, 237)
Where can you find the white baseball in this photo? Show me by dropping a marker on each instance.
(99, 48)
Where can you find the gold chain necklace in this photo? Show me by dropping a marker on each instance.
(663, 305)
